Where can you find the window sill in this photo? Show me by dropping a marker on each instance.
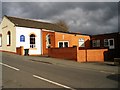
(33, 48)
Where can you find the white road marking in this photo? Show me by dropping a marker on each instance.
(107, 72)
(58, 84)
(10, 66)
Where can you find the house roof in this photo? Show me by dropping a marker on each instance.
(74, 33)
(113, 33)
(34, 24)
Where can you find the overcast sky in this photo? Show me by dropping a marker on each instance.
(84, 17)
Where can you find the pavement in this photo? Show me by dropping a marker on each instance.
(101, 66)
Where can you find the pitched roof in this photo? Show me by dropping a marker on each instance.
(34, 24)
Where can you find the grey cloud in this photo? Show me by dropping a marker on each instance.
(84, 17)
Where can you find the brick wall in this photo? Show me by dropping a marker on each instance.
(52, 37)
(20, 50)
(63, 53)
(80, 55)
(72, 39)
(91, 55)
(95, 55)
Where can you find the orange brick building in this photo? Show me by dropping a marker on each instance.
(62, 39)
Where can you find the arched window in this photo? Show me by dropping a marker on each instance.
(8, 38)
(32, 41)
(22, 38)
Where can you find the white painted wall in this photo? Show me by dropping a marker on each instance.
(26, 32)
(5, 26)
(0, 41)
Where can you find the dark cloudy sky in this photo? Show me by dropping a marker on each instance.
(84, 17)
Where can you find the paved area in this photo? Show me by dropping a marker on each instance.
(106, 66)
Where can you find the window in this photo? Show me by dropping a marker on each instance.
(62, 44)
(8, 38)
(48, 41)
(22, 38)
(65, 44)
(105, 42)
(96, 43)
(109, 43)
(32, 41)
(81, 42)
(0, 40)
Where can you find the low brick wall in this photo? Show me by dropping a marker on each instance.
(63, 53)
(20, 50)
(91, 55)
(80, 55)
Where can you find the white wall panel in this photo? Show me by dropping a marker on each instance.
(26, 32)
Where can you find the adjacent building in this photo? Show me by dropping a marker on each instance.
(111, 41)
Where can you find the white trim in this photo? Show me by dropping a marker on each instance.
(52, 82)
(48, 30)
(112, 46)
(108, 40)
(63, 42)
(8, 40)
(81, 41)
(10, 66)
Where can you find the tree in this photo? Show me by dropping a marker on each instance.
(63, 24)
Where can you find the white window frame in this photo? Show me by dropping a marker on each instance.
(8, 38)
(63, 43)
(110, 46)
(81, 40)
(32, 45)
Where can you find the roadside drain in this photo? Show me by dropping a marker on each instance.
(40, 61)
